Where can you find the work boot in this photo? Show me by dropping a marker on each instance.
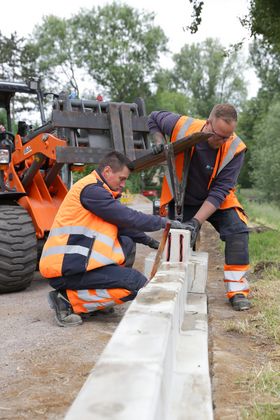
(239, 302)
(63, 310)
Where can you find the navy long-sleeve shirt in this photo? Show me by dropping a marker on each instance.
(96, 199)
(201, 166)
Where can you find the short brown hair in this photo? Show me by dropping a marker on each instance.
(225, 112)
(116, 161)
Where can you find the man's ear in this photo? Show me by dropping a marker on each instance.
(107, 171)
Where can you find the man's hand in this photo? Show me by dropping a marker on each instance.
(193, 226)
(157, 148)
(175, 224)
(153, 243)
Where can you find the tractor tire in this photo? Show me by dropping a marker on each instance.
(18, 249)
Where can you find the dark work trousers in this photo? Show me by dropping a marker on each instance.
(108, 277)
(233, 231)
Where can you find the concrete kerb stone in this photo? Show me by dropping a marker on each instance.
(197, 272)
(136, 373)
(192, 399)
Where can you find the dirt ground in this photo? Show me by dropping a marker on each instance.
(44, 366)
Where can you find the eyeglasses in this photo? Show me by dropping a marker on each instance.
(218, 135)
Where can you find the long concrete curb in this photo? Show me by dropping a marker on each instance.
(156, 363)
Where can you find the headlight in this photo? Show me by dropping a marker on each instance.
(4, 156)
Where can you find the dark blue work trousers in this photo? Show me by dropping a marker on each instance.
(233, 231)
(108, 277)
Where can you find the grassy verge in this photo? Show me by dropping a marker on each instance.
(263, 322)
(260, 212)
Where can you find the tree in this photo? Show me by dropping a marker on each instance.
(10, 56)
(16, 65)
(206, 75)
(247, 121)
(120, 48)
(116, 47)
(266, 155)
(51, 46)
(166, 96)
(267, 66)
(266, 62)
(264, 20)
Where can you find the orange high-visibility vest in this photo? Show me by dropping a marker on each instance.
(79, 240)
(232, 147)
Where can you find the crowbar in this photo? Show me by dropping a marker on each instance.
(159, 251)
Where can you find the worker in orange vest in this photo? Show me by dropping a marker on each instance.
(210, 189)
(90, 250)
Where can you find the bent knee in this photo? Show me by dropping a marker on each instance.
(137, 280)
(236, 249)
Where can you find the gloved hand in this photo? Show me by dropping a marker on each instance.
(157, 148)
(152, 243)
(193, 225)
(175, 224)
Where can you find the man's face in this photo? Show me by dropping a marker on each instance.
(221, 131)
(116, 180)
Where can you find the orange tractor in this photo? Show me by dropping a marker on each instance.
(36, 166)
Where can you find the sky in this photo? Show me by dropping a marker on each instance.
(220, 19)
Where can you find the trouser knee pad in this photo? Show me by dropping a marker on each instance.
(236, 249)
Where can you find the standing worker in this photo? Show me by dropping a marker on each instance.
(214, 168)
(90, 250)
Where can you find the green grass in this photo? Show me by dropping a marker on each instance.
(264, 389)
(265, 261)
(264, 246)
(264, 323)
(259, 212)
(263, 412)
(267, 302)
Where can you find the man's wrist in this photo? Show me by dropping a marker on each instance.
(158, 138)
(198, 221)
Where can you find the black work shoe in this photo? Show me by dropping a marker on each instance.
(63, 311)
(239, 302)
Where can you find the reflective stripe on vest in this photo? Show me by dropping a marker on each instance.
(179, 136)
(65, 249)
(230, 153)
(184, 128)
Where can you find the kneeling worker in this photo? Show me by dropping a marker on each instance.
(90, 250)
